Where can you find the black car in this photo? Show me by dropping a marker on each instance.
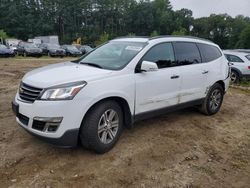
(71, 50)
(52, 50)
(85, 49)
(6, 52)
(28, 49)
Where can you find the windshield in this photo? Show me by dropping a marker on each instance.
(248, 57)
(3, 46)
(29, 45)
(53, 46)
(72, 48)
(113, 55)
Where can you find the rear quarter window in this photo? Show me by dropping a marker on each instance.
(248, 57)
(209, 52)
(186, 53)
(234, 58)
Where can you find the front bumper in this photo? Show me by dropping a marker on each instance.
(34, 53)
(67, 133)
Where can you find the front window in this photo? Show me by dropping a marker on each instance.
(114, 55)
(53, 46)
(29, 45)
(72, 48)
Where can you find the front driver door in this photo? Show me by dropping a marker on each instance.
(158, 89)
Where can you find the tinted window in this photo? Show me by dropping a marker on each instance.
(162, 55)
(233, 58)
(208, 52)
(186, 53)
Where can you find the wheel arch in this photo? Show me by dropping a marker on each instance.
(222, 84)
(236, 70)
(128, 117)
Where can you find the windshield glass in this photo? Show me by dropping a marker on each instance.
(29, 45)
(3, 46)
(113, 55)
(53, 46)
(72, 48)
(248, 57)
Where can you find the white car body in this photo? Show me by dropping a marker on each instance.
(143, 92)
(242, 66)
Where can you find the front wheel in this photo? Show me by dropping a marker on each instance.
(102, 127)
(213, 101)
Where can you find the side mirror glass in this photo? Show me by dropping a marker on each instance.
(148, 66)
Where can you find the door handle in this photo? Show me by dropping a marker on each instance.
(205, 72)
(175, 76)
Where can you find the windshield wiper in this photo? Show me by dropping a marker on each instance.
(92, 64)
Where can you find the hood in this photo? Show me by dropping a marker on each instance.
(6, 50)
(63, 73)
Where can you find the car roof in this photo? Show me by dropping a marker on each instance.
(233, 52)
(165, 38)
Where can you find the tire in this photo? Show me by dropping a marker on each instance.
(213, 101)
(235, 77)
(95, 132)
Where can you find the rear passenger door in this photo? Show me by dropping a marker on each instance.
(194, 73)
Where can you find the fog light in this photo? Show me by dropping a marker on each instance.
(47, 124)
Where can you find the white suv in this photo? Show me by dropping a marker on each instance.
(125, 80)
(240, 64)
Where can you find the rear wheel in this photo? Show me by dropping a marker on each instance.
(102, 127)
(213, 101)
(235, 77)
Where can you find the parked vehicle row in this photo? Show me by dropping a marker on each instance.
(37, 50)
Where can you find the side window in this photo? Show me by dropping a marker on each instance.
(248, 57)
(162, 55)
(186, 53)
(209, 52)
(234, 58)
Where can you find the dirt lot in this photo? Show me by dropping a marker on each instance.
(181, 149)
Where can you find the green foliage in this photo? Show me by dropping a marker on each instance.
(244, 40)
(96, 20)
(103, 38)
(154, 33)
(3, 34)
(181, 32)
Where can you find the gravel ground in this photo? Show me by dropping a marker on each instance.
(181, 149)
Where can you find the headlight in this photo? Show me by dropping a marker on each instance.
(63, 92)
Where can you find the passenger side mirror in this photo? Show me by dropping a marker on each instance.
(148, 66)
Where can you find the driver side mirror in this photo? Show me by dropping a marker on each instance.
(148, 66)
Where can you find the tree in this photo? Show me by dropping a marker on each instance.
(244, 39)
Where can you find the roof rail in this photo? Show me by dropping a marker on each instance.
(189, 37)
(146, 37)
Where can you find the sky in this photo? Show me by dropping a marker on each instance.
(203, 8)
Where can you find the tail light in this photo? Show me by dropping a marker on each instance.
(249, 67)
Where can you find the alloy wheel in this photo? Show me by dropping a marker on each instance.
(108, 126)
(215, 100)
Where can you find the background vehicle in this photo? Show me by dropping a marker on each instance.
(12, 44)
(52, 50)
(28, 49)
(85, 49)
(240, 65)
(71, 50)
(122, 81)
(37, 42)
(6, 52)
(48, 39)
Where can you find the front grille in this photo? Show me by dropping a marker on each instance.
(23, 119)
(29, 93)
(38, 125)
